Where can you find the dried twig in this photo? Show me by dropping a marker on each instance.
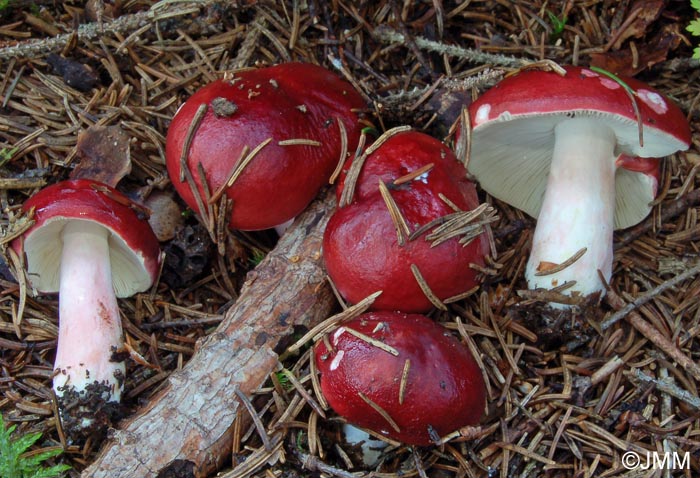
(646, 297)
(668, 387)
(652, 334)
(287, 289)
(404, 380)
(93, 31)
(343, 151)
(259, 426)
(389, 35)
(314, 463)
(372, 341)
(406, 178)
(380, 411)
(466, 225)
(560, 267)
(328, 324)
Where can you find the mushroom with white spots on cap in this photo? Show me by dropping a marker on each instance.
(560, 147)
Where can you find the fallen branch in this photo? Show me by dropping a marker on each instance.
(314, 463)
(655, 292)
(188, 426)
(668, 387)
(92, 31)
(391, 36)
(652, 334)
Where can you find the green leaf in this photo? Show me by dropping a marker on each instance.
(696, 53)
(283, 378)
(6, 153)
(15, 464)
(33, 462)
(257, 257)
(695, 4)
(369, 130)
(23, 443)
(50, 472)
(558, 24)
(694, 27)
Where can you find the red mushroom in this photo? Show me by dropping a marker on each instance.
(402, 376)
(362, 249)
(282, 127)
(559, 147)
(90, 245)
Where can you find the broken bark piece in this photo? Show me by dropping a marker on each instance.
(187, 256)
(633, 60)
(166, 215)
(642, 14)
(190, 422)
(104, 155)
(75, 74)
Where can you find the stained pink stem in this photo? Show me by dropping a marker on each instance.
(89, 325)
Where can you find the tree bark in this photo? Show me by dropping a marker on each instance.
(187, 429)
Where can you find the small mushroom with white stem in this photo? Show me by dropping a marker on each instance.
(90, 244)
(558, 145)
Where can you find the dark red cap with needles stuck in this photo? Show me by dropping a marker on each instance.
(421, 180)
(268, 138)
(402, 376)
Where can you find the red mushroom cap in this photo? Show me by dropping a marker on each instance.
(280, 103)
(432, 387)
(134, 249)
(362, 256)
(582, 91)
(405, 153)
(513, 130)
(360, 244)
(648, 166)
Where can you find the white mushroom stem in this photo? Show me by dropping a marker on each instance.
(578, 209)
(371, 448)
(89, 324)
(282, 228)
